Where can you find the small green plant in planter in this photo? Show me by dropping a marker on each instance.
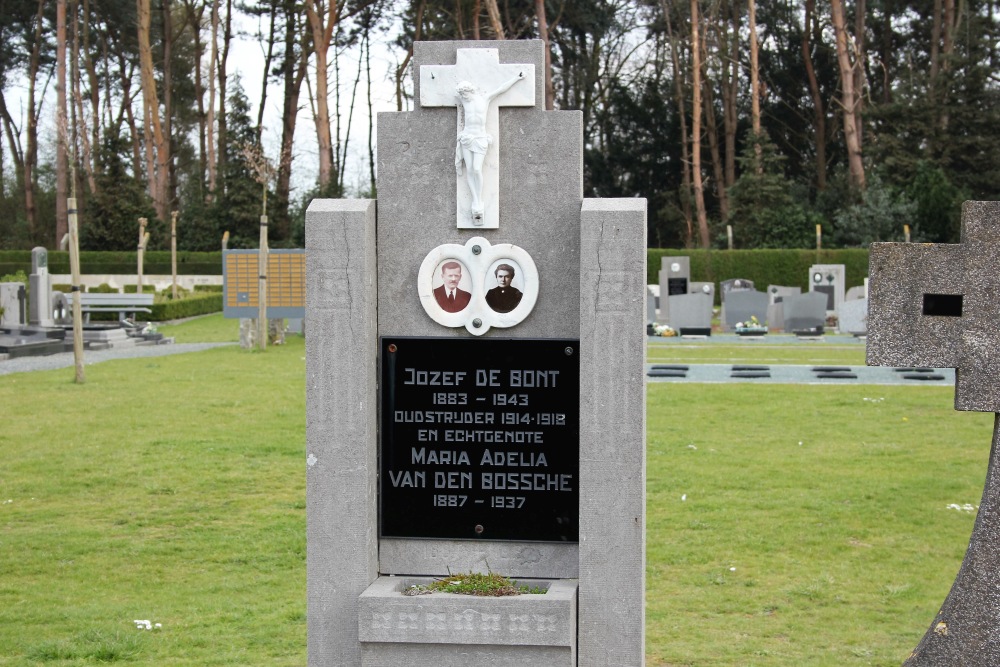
(474, 583)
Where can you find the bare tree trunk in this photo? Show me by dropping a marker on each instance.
(90, 145)
(268, 58)
(371, 115)
(81, 139)
(151, 104)
(494, 13)
(401, 70)
(543, 34)
(222, 122)
(947, 50)
(848, 100)
(293, 74)
(730, 95)
(713, 146)
(170, 178)
(477, 9)
(935, 46)
(31, 149)
(682, 115)
(860, 58)
(126, 72)
(699, 192)
(321, 28)
(195, 13)
(62, 127)
(819, 113)
(210, 119)
(754, 86)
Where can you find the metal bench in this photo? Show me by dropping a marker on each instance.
(111, 302)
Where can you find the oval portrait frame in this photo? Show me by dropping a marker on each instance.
(478, 256)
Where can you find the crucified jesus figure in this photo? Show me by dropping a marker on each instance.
(474, 140)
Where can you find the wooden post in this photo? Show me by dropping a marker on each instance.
(74, 264)
(139, 252)
(173, 254)
(262, 286)
(225, 241)
(729, 235)
(906, 233)
(819, 237)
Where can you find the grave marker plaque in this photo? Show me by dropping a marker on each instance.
(480, 439)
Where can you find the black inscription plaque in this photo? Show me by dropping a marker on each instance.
(480, 439)
(677, 286)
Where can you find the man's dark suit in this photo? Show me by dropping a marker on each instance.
(462, 299)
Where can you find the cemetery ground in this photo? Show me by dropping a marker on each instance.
(787, 524)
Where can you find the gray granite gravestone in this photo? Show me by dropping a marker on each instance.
(805, 312)
(741, 305)
(12, 304)
(857, 292)
(691, 313)
(935, 304)
(829, 279)
(725, 287)
(40, 289)
(699, 287)
(651, 300)
(776, 294)
(675, 279)
(853, 317)
(371, 288)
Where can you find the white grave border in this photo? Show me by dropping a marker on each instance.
(478, 256)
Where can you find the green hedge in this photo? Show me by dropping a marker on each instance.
(117, 262)
(166, 309)
(197, 304)
(763, 267)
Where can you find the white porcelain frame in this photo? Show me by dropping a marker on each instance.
(478, 317)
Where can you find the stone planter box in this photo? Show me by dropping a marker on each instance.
(451, 630)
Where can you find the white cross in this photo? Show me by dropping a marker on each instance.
(438, 88)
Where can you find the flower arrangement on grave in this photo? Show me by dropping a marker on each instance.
(751, 326)
(664, 330)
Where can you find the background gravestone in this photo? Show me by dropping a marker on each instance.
(741, 305)
(805, 312)
(40, 306)
(725, 288)
(853, 317)
(363, 283)
(829, 279)
(12, 302)
(691, 314)
(934, 304)
(675, 277)
(776, 294)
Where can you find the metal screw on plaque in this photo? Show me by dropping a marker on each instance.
(568, 351)
(476, 250)
(477, 323)
(392, 347)
(479, 529)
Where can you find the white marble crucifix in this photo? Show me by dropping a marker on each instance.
(477, 84)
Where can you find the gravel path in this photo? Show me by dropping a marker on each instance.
(65, 359)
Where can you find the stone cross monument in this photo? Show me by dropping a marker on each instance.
(475, 389)
(935, 304)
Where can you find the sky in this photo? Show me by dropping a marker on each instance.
(247, 56)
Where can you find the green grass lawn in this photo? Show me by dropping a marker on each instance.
(787, 525)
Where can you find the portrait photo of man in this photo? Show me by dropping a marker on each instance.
(449, 295)
(504, 297)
